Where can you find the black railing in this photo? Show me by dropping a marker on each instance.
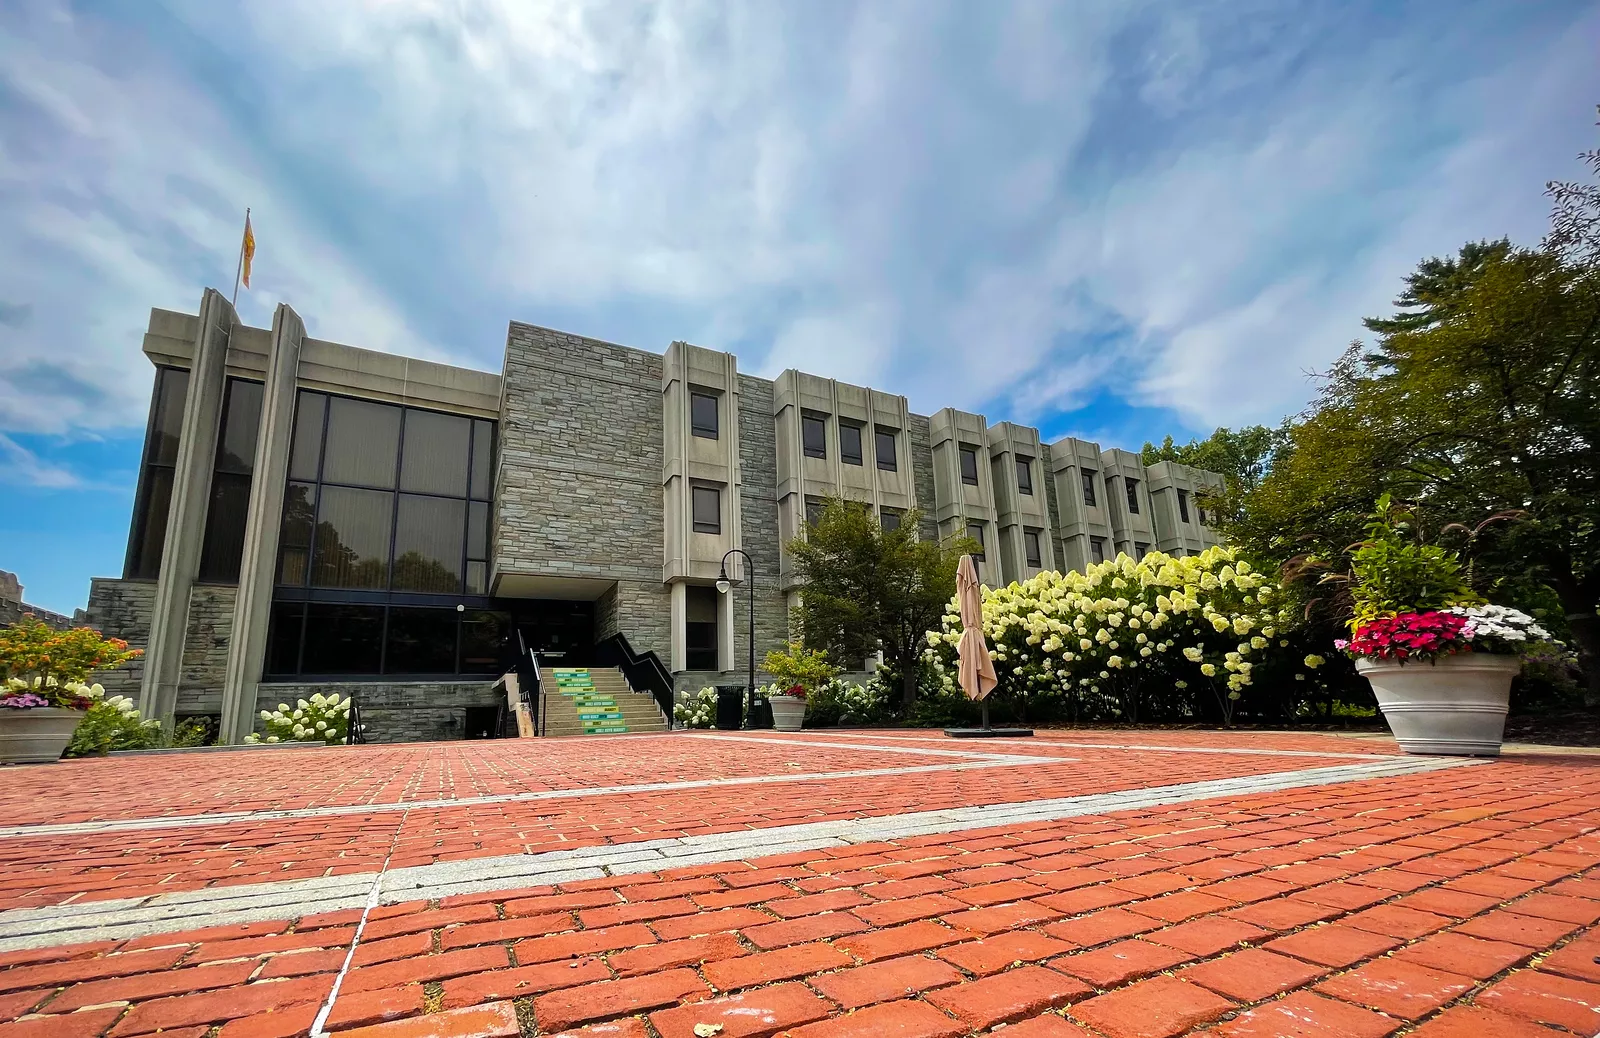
(644, 670)
(529, 685)
(355, 731)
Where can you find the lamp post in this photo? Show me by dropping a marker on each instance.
(725, 586)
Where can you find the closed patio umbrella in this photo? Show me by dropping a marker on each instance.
(977, 669)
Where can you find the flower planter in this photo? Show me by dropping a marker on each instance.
(787, 713)
(1455, 705)
(36, 735)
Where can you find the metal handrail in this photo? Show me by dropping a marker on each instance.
(355, 730)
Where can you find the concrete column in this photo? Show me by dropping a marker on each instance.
(186, 515)
(680, 630)
(253, 606)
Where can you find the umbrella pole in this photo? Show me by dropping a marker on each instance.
(986, 713)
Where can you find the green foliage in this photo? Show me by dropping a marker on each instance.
(868, 589)
(31, 651)
(113, 724)
(321, 719)
(1395, 571)
(794, 664)
(846, 703)
(1243, 458)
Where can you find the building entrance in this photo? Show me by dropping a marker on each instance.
(559, 631)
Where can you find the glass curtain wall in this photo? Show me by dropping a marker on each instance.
(230, 482)
(385, 533)
(149, 528)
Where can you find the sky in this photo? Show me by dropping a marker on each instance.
(1117, 220)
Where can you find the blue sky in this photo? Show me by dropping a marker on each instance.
(1113, 220)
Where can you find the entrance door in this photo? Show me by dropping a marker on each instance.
(559, 631)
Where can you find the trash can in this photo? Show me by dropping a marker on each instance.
(760, 711)
(730, 707)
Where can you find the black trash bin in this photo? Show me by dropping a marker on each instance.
(730, 707)
(760, 711)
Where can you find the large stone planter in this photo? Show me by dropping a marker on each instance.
(788, 712)
(37, 735)
(1455, 705)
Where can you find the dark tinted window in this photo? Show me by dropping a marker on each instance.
(1025, 475)
(849, 444)
(230, 482)
(975, 531)
(889, 521)
(1097, 549)
(813, 511)
(352, 538)
(707, 503)
(1132, 486)
(294, 536)
(1183, 506)
(813, 436)
(883, 446)
(482, 459)
(363, 443)
(1030, 544)
(703, 415)
(342, 639)
(969, 466)
(434, 456)
(236, 447)
(1088, 487)
(310, 409)
(154, 497)
(283, 638)
(427, 543)
(420, 641)
(1142, 550)
(485, 639)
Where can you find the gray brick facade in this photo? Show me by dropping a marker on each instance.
(394, 711)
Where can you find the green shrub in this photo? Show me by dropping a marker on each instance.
(113, 724)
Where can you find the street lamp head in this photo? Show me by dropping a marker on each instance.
(723, 583)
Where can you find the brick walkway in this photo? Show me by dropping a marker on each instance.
(1458, 902)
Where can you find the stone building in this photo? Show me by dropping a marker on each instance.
(315, 516)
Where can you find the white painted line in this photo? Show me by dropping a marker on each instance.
(23, 928)
(321, 1021)
(1048, 742)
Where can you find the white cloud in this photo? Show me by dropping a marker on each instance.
(21, 467)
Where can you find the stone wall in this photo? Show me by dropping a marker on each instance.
(920, 436)
(121, 609)
(205, 648)
(418, 711)
(758, 456)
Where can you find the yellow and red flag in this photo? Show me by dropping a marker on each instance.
(249, 250)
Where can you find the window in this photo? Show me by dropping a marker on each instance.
(1024, 475)
(849, 443)
(1097, 549)
(420, 641)
(1088, 488)
(883, 446)
(703, 415)
(1141, 549)
(975, 531)
(1030, 546)
(707, 504)
(1132, 486)
(813, 511)
(1200, 513)
(969, 466)
(155, 485)
(1183, 506)
(230, 482)
(700, 627)
(342, 639)
(889, 521)
(385, 498)
(813, 436)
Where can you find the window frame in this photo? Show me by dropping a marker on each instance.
(845, 456)
(1091, 497)
(885, 514)
(819, 452)
(1131, 487)
(891, 461)
(1024, 466)
(1097, 549)
(696, 427)
(1032, 548)
(134, 563)
(982, 554)
(697, 494)
(963, 452)
(1183, 505)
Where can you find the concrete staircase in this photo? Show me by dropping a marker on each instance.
(581, 701)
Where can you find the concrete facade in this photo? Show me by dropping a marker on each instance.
(623, 479)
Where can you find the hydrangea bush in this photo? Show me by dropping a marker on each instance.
(320, 719)
(1128, 638)
(113, 724)
(697, 710)
(847, 703)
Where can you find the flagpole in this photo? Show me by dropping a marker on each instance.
(240, 269)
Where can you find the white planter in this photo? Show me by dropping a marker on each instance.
(1455, 705)
(37, 735)
(787, 713)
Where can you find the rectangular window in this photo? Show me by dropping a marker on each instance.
(482, 459)
(1088, 488)
(849, 443)
(362, 443)
(427, 543)
(1142, 549)
(433, 458)
(889, 521)
(305, 456)
(813, 436)
(1201, 514)
(703, 415)
(969, 466)
(283, 638)
(352, 538)
(707, 505)
(1031, 548)
(813, 511)
(700, 627)
(230, 482)
(1132, 486)
(1097, 549)
(420, 641)
(1024, 475)
(1183, 506)
(149, 528)
(342, 639)
(883, 445)
(485, 641)
(975, 531)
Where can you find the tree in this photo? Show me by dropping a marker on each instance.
(866, 588)
(1242, 458)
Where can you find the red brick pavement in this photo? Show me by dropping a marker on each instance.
(1443, 905)
(49, 869)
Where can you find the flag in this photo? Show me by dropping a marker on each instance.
(249, 249)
